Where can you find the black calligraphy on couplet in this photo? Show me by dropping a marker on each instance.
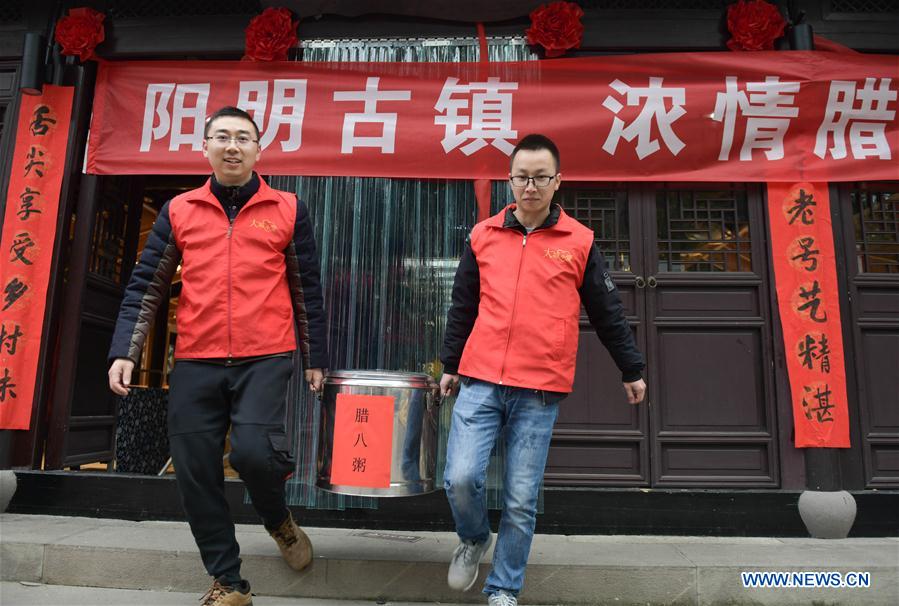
(803, 209)
(34, 163)
(12, 292)
(27, 203)
(20, 245)
(815, 351)
(807, 256)
(9, 339)
(41, 121)
(6, 386)
(816, 403)
(810, 301)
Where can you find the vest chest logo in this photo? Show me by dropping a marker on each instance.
(558, 254)
(264, 224)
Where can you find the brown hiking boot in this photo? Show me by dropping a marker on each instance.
(227, 595)
(295, 546)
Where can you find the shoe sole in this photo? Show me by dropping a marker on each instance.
(477, 572)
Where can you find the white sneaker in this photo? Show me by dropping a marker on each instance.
(463, 569)
(501, 598)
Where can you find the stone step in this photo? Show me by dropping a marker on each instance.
(403, 566)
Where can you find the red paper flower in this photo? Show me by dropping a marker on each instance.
(271, 35)
(79, 32)
(556, 27)
(754, 25)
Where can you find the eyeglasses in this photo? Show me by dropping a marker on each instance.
(240, 140)
(539, 180)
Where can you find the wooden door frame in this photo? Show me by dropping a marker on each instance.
(792, 459)
(29, 446)
(60, 422)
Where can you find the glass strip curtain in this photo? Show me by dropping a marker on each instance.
(389, 250)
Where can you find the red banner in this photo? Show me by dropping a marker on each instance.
(763, 116)
(808, 298)
(363, 441)
(29, 231)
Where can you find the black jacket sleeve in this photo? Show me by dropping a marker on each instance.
(148, 286)
(304, 279)
(463, 310)
(600, 298)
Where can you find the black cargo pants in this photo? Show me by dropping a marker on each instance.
(204, 400)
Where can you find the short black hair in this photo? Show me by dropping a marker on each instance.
(226, 111)
(536, 142)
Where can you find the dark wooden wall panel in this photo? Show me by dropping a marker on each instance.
(686, 463)
(712, 302)
(570, 459)
(882, 348)
(727, 395)
(597, 401)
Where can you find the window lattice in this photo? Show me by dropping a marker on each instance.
(606, 213)
(108, 245)
(864, 6)
(129, 9)
(703, 231)
(876, 218)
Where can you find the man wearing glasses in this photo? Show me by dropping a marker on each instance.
(512, 337)
(250, 292)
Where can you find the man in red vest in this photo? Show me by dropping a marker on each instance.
(512, 336)
(250, 293)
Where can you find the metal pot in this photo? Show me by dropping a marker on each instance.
(414, 445)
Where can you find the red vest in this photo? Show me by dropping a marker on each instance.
(526, 332)
(235, 301)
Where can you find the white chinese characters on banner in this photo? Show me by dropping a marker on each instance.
(490, 115)
(867, 110)
(653, 110)
(757, 117)
(183, 123)
(768, 108)
(370, 96)
(288, 108)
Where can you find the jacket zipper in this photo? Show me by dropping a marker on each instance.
(230, 229)
(502, 369)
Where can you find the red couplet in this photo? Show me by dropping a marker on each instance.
(26, 248)
(809, 304)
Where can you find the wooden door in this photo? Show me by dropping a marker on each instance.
(712, 410)
(691, 266)
(870, 223)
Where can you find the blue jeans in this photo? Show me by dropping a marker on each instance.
(481, 411)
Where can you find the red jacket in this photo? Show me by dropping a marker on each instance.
(234, 296)
(244, 283)
(526, 331)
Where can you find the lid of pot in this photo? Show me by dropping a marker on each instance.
(387, 378)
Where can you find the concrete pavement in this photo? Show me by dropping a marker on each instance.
(37, 594)
(389, 566)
